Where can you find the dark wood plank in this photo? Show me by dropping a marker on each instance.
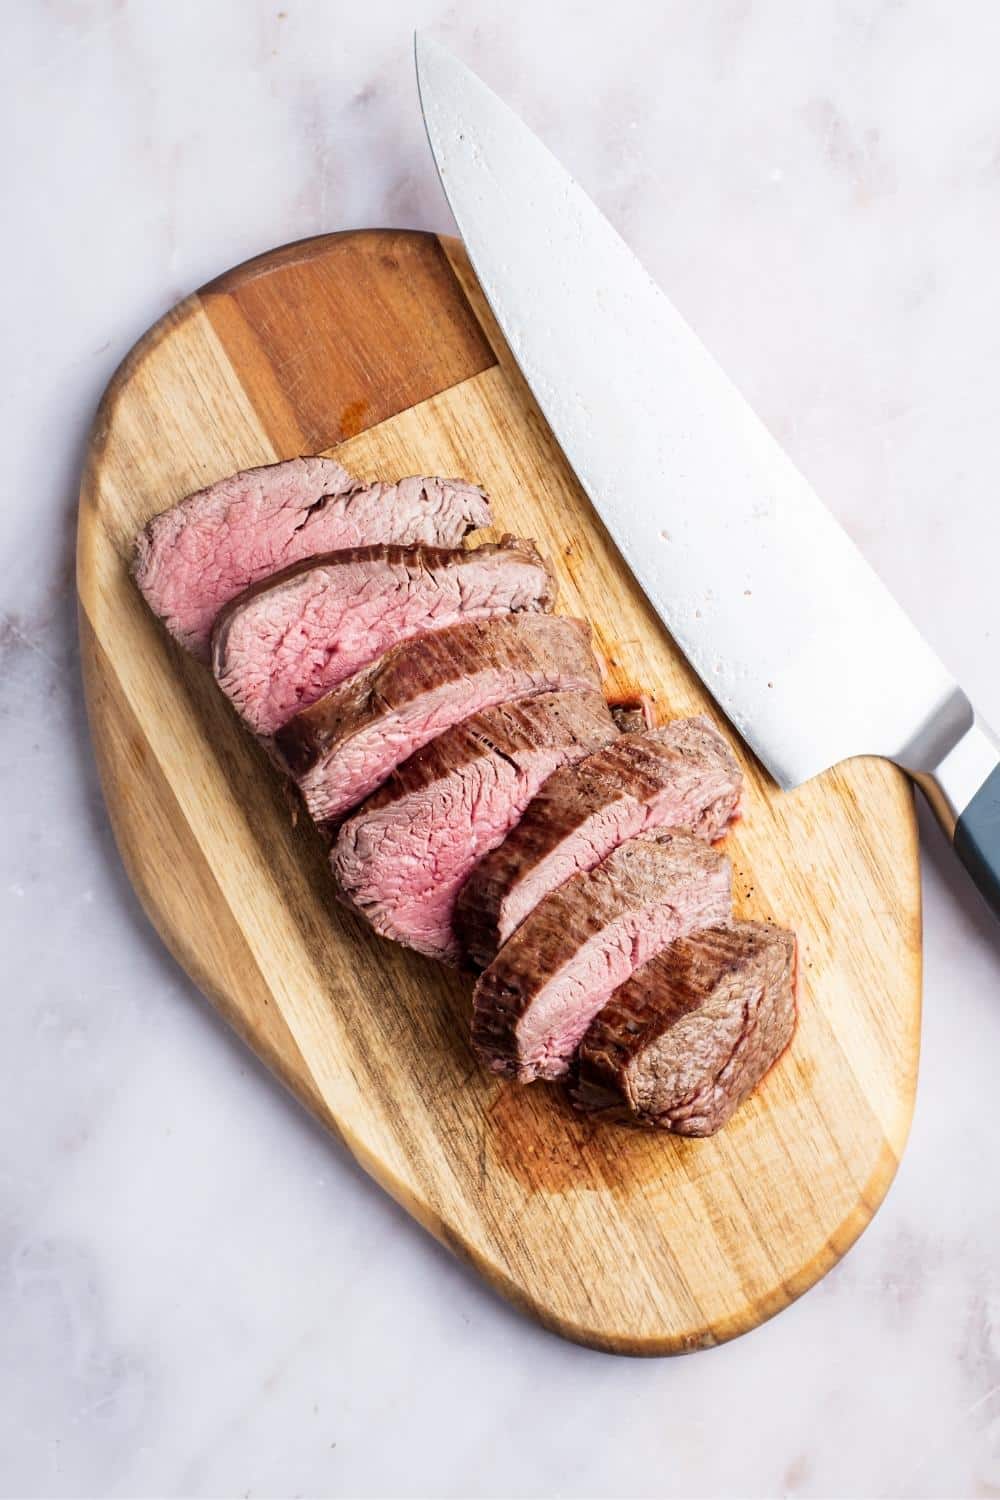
(336, 334)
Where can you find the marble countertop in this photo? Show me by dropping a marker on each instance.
(199, 1294)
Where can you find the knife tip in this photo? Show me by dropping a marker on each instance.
(426, 49)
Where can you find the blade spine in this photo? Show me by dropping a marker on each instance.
(616, 528)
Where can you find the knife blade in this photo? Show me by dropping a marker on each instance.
(788, 626)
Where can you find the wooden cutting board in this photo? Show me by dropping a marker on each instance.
(378, 345)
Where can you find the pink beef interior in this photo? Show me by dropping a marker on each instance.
(194, 558)
(337, 783)
(603, 832)
(554, 1024)
(681, 775)
(404, 872)
(288, 646)
(609, 827)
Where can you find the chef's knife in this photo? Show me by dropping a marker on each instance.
(792, 632)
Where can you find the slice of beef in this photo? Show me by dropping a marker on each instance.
(535, 1001)
(192, 559)
(346, 744)
(682, 775)
(288, 640)
(686, 1039)
(402, 858)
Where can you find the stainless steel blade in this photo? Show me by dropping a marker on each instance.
(793, 633)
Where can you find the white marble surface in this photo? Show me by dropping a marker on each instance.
(198, 1294)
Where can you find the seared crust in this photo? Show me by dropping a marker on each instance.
(667, 870)
(401, 858)
(682, 1043)
(347, 743)
(192, 558)
(405, 672)
(506, 729)
(432, 560)
(686, 761)
(287, 640)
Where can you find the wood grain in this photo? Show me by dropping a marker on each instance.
(619, 1239)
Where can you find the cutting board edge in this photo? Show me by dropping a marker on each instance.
(827, 1255)
(302, 1087)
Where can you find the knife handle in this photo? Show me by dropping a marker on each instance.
(977, 839)
(964, 790)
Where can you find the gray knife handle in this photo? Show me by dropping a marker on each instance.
(977, 839)
(964, 790)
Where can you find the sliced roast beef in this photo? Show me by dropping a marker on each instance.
(402, 858)
(288, 640)
(346, 744)
(192, 559)
(535, 1001)
(686, 1039)
(682, 775)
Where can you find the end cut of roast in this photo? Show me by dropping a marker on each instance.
(682, 775)
(534, 1003)
(347, 743)
(285, 642)
(692, 1033)
(404, 855)
(192, 559)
